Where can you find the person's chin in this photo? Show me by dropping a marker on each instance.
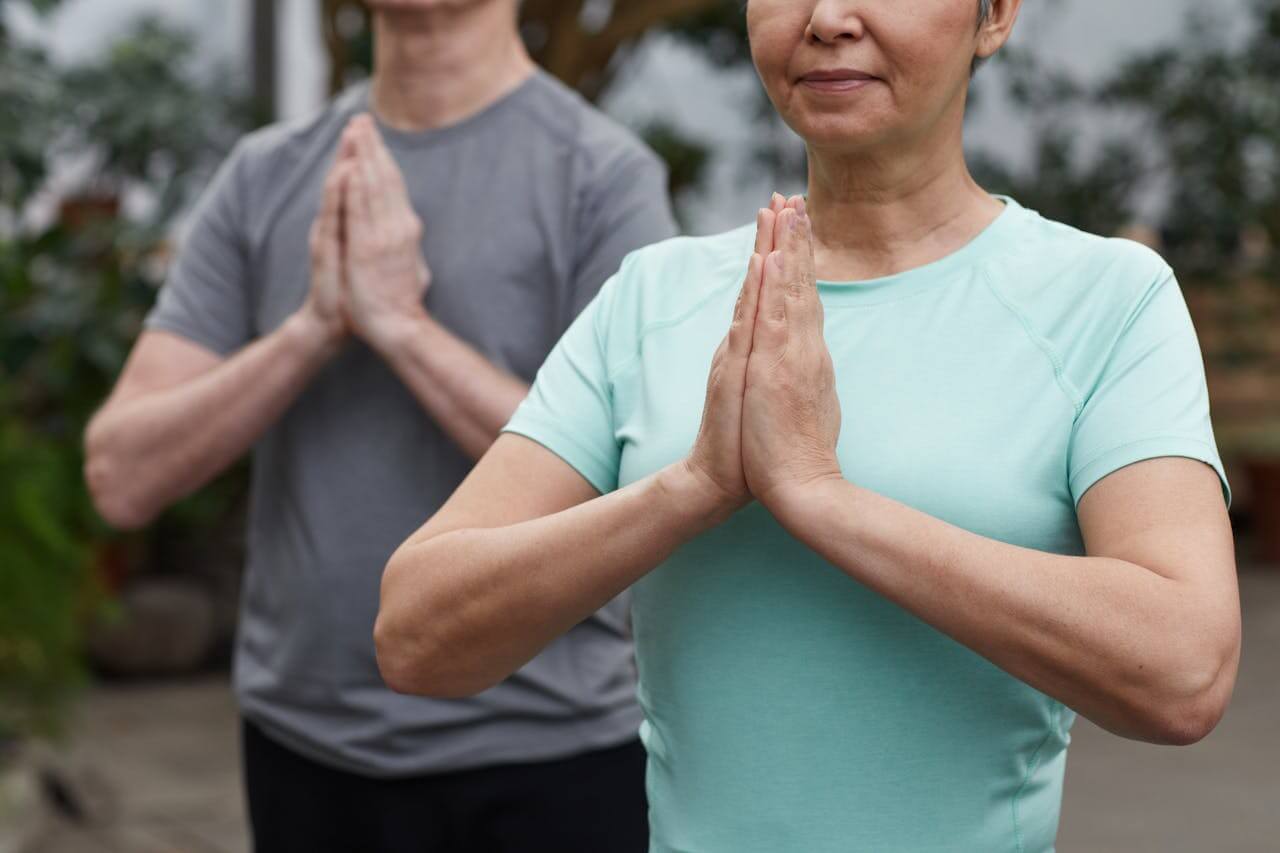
(839, 131)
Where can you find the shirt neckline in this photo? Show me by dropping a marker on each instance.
(900, 285)
(421, 138)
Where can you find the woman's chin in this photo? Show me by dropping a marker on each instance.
(841, 132)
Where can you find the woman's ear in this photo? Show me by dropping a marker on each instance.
(994, 30)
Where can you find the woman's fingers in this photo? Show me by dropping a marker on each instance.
(789, 293)
(764, 231)
(771, 316)
(794, 240)
(778, 272)
(744, 312)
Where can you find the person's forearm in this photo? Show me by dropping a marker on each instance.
(465, 608)
(469, 397)
(144, 453)
(1111, 639)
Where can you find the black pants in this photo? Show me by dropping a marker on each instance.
(592, 803)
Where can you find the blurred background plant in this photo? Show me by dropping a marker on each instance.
(123, 140)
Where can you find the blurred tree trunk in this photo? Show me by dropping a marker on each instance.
(262, 50)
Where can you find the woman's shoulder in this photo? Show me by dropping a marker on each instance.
(662, 281)
(1046, 263)
(1075, 292)
(670, 283)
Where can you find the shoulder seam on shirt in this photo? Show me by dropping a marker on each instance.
(1131, 313)
(584, 114)
(1042, 343)
(657, 325)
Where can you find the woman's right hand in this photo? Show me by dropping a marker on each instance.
(715, 463)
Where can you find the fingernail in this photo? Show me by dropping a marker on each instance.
(800, 206)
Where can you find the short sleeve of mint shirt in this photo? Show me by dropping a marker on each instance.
(569, 408)
(788, 707)
(1147, 396)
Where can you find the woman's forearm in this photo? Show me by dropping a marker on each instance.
(465, 608)
(1118, 642)
(147, 451)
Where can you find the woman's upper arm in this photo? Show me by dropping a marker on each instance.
(1168, 516)
(516, 480)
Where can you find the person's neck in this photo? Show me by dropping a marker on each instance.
(876, 213)
(437, 67)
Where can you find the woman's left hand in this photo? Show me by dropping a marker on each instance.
(790, 411)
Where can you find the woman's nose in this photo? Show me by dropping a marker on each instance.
(834, 20)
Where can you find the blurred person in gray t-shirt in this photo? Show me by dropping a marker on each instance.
(363, 299)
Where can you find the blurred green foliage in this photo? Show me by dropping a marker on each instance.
(1195, 122)
(128, 136)
(46, 593)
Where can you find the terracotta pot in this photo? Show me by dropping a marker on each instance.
(1264, 488)
(84, 211)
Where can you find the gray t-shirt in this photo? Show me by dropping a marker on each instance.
(528, 207)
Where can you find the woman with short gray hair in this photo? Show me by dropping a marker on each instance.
(951, 481)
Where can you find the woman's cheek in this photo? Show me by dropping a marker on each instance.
(773, 76)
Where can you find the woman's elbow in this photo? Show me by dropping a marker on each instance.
(413, 665)
(1194, 703)
(412, 659)
(399, 660)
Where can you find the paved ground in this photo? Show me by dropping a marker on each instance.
(1221, 795)
(160, 765)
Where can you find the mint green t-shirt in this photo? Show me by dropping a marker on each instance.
(789, 709)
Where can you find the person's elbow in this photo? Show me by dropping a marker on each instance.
(1193, 698)
(413, 656)
(112, 483)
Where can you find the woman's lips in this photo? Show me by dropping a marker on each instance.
(836, 84)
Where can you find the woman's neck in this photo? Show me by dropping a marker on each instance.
(879, 213)
(434, 68)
